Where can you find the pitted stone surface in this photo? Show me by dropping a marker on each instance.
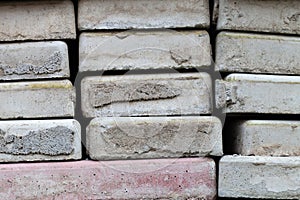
(140, 95)
(118, 14)
(266, 137)
(246, 93)
(39, 140)
(153, 137)
(259, 177)
(36, 60)
(42, 99)
(260, 16)
(256, 53)
(139, 49)
(39, 20)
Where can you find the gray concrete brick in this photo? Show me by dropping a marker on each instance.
(262, 16)
(259, 177)
(120, 14)
(151, 94)
(254, 53)
(37, 20)
(38, 140)
(110, 138)
(271, 94)
(144, 50)
(266, 137)
(41, 99)
(35, 60)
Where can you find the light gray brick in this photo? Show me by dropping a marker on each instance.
(254, 53)
(267, 137)
(150, 94)
(35, 60)
(271, 94)
(262, 16)
(120, 14)
(38, 140)
(110, 138)
(144, 50)
(37, 20)
(259, 177)
(41, 99)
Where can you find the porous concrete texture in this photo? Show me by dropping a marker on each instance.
(40, 99)
(266, 137)
(35, 60)
(257, 53)
(111, 138)
(37, 20)
(146, 95)
(188, 178)
(37, 140)
(259, 177)
(260, 16)
(144, 14)
(144, 50)
(271, 94)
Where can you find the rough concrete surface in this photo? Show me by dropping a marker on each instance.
(260, 16)
(267, 137)
(144, 50)
(40, 99)
(255, 53)
(150, 94)
(37, 20)
(259, 177)
(35, 60)
(39, 140)
(190, 178)
(118, 14)
(246, 93)
(111, 138)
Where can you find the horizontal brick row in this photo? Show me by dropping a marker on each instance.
(39, 140)
(119, 14)
(131, 50)
(153, 137)
(151, 94)
(256, 53)
(40, 99)
(246, 93)
(260, 16)
(190, 178)
(259, 177)
(37, 20)
(266, 137)
(35, 60)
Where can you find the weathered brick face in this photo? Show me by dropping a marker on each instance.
(130, 99)
(140, 95)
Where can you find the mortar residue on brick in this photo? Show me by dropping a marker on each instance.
(108, 93)
(53, 142)
(51, 66)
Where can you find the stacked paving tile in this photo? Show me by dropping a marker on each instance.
(37, 98)
(258, 49)
(143, 122)
(146, 99)
(36, 94)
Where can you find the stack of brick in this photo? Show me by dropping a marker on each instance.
(36, 97)
(146, 119)
(265, 81)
